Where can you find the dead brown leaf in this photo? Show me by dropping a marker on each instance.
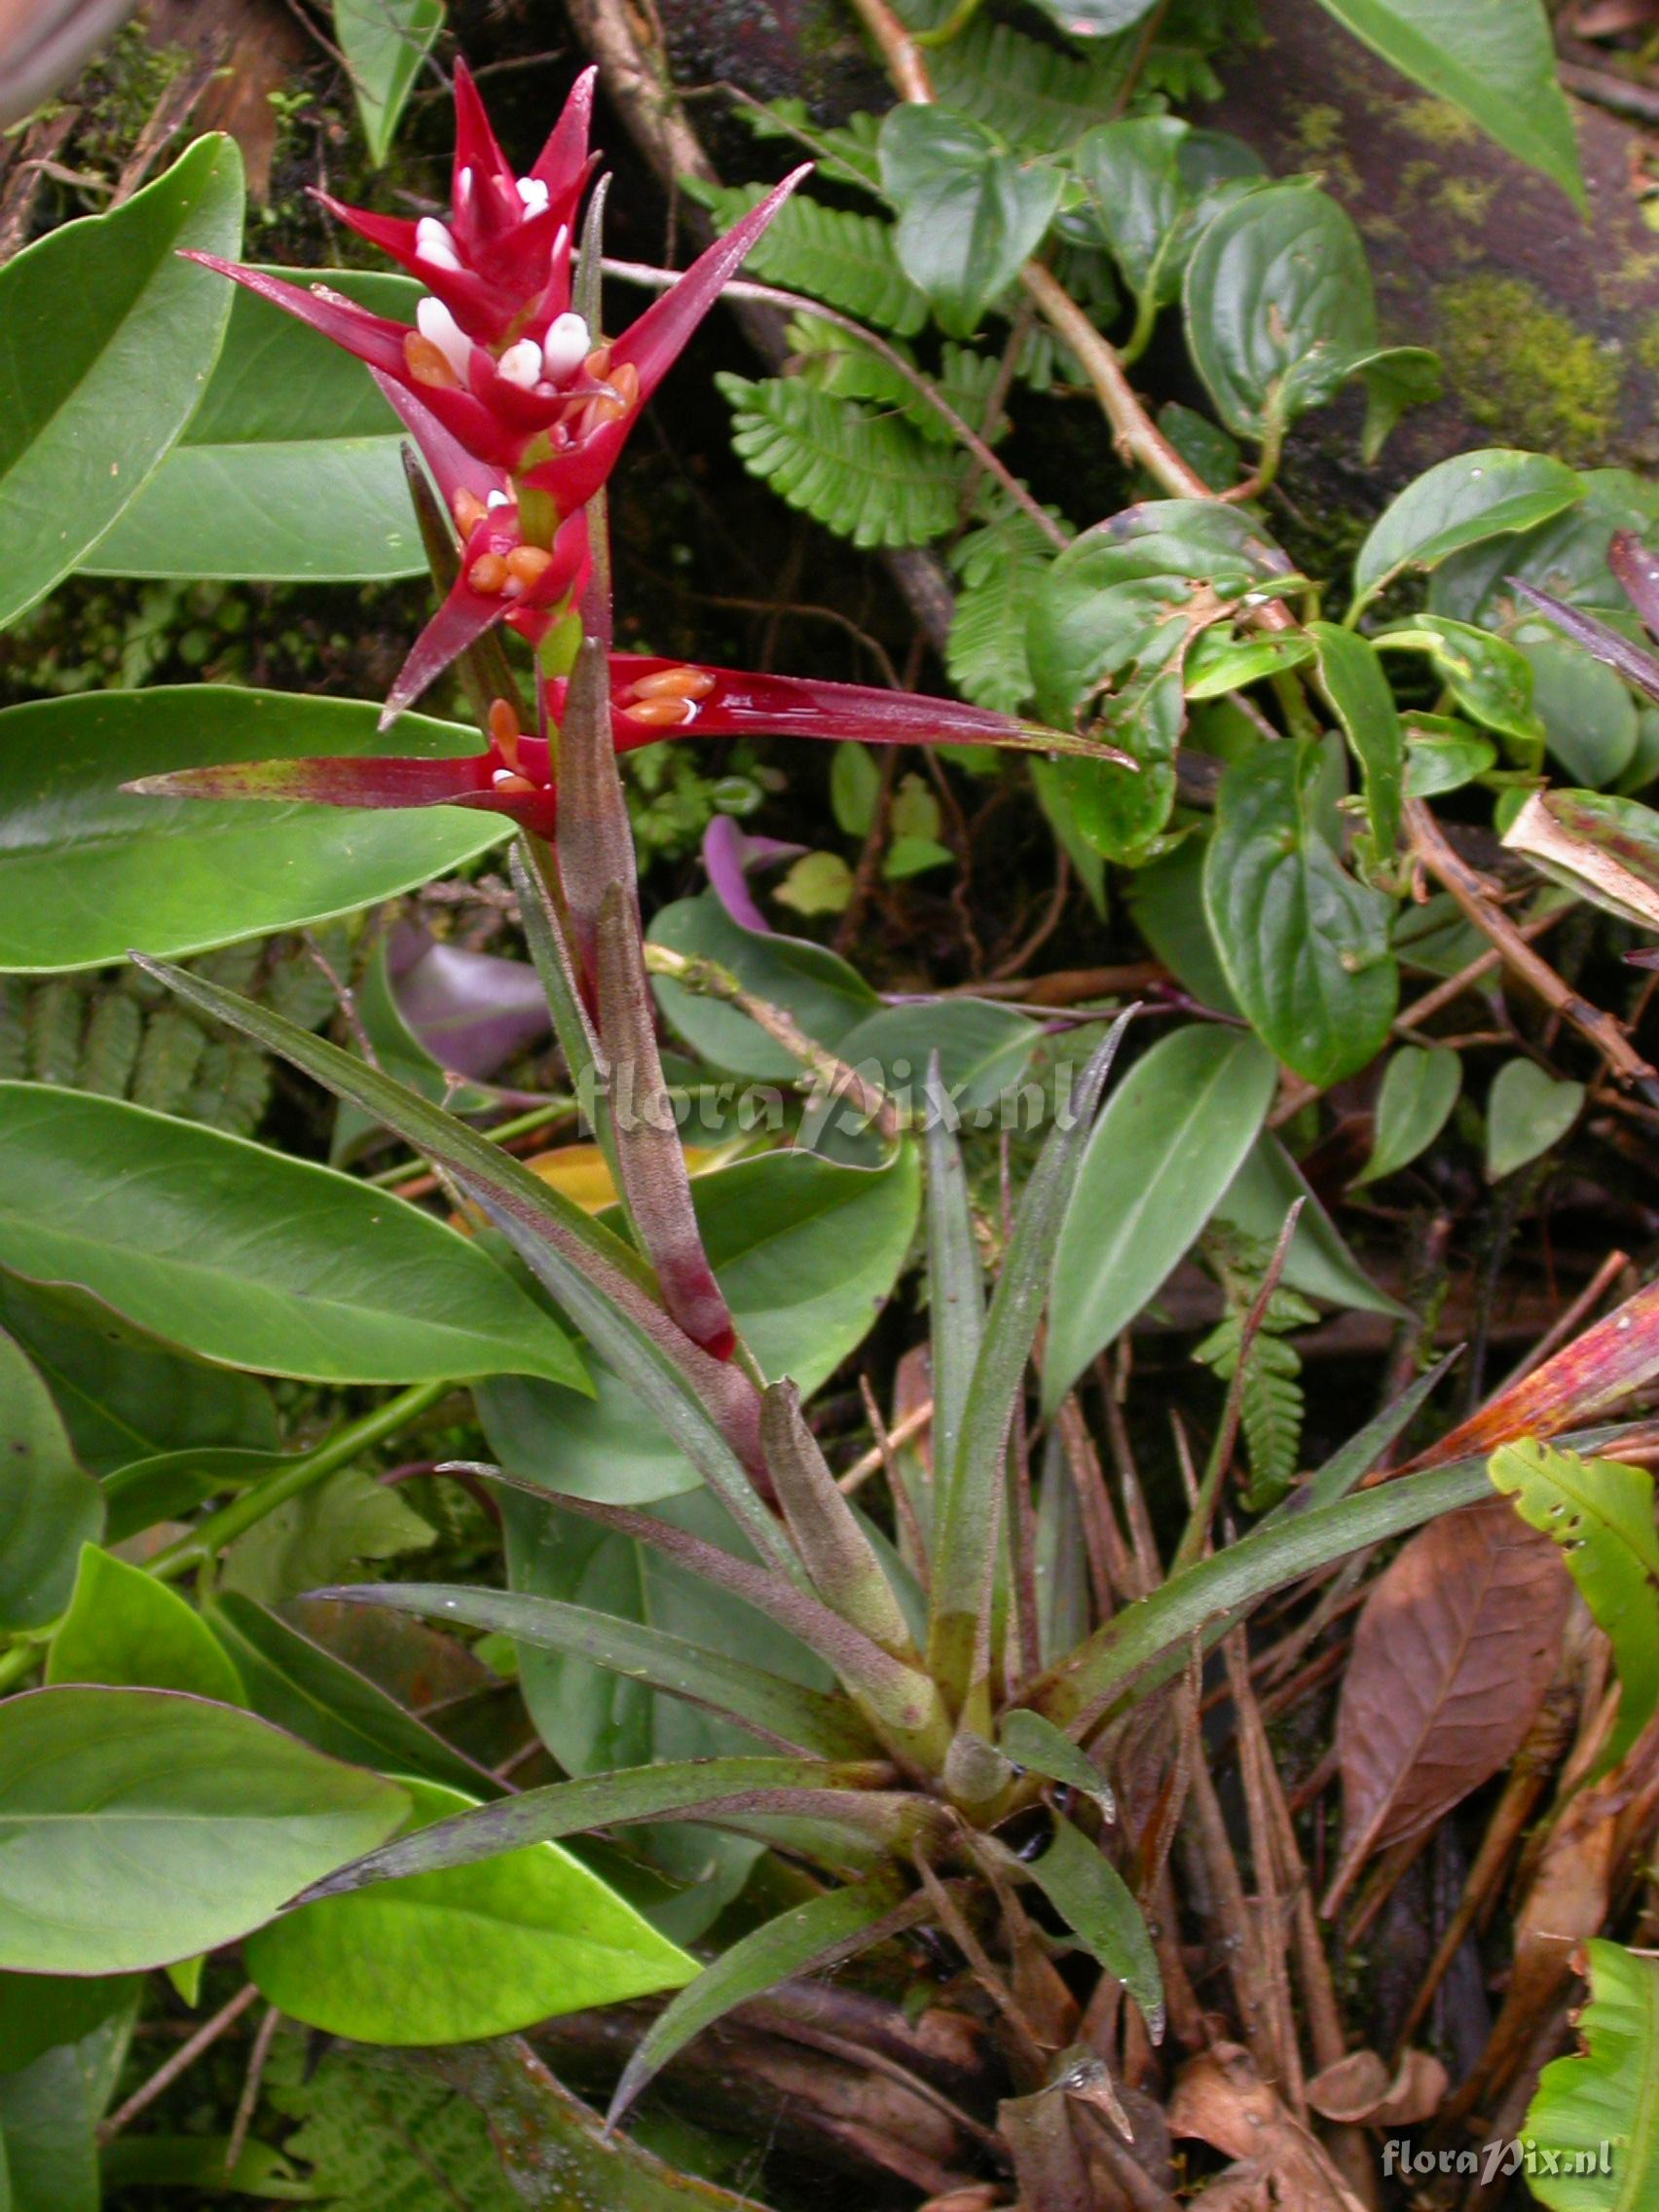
(1359, 2089)
(1222, 2100)
(1454, 1652)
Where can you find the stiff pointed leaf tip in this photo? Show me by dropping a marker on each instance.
(1637, 569)
(1632, 662)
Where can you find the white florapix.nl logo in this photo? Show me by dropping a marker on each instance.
(1505, 2157)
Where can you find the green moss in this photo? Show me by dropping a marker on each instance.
(1464, 199)
(1437, 122)
(1647, 346)
(1523, 369)
(1318, 130)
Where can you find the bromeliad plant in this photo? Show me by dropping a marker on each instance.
(924, 1731)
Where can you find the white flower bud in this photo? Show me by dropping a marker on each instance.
(534, 194)
(433, 243)
(565, 348)
(439, 328)
(521, 364)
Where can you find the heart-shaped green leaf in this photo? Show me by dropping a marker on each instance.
(1527, 1111)
(970, 212)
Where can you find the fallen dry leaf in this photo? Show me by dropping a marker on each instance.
(1455, 1650)
(1359, 2089)
(1222, 2099)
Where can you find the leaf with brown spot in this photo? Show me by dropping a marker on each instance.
(1454, 1652)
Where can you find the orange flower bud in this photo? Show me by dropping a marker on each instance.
(527, 565)
(661, 713)
(487, 573)
(470, 511)
(505, 729)
(426, 365)
(673, 683)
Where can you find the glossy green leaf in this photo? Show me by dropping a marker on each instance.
(1601, 1514)
(139, 1827)
(1598, 2110)
(1527, 1111)
(314, 1694)
(107, 341)
(1173, 1137)
(806, 1252)
(983, 1050)
(1590, 721)
(1492, 58)
(808, 1937)
(1304, 946)
(825, 995)
(169, 1485)
(1352, 679)
(464, 1951)
(1097, 1906)
(203, 2162)
(384, 43)
(970, 212)
(125, 1396)
(1167, 902)
(1318, 1264)
(324, 1535)
(1420, 1089)
(291, 467)
(88, 869)
(1460, 502)
(1096, 19)
(38, 2012)
(50, 1506)
(1489, 678)
(1442, 754)
(127, 1630)
(1038, 1746)
(161, 1220)
(1103, 600)
(50, 2112)
(1280, 313)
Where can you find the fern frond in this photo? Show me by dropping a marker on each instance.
(1034, 95)
(833, 361)
(845, 153)
(1002, 565)
(1271, 1410)
(867, 477)
(845, 258)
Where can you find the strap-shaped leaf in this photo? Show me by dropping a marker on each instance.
(779, 1711)
(711, 1411)
(863, 1666)
(689, 1789)
(807, 1940)
(956, 1283)
(967, 1543)
(1354, 1460)
(1097, 1906)
(1075, 1694)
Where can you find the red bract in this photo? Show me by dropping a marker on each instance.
(651, 699)
(496, 355)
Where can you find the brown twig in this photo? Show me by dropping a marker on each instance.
(1470, 889)
(181, 2061)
